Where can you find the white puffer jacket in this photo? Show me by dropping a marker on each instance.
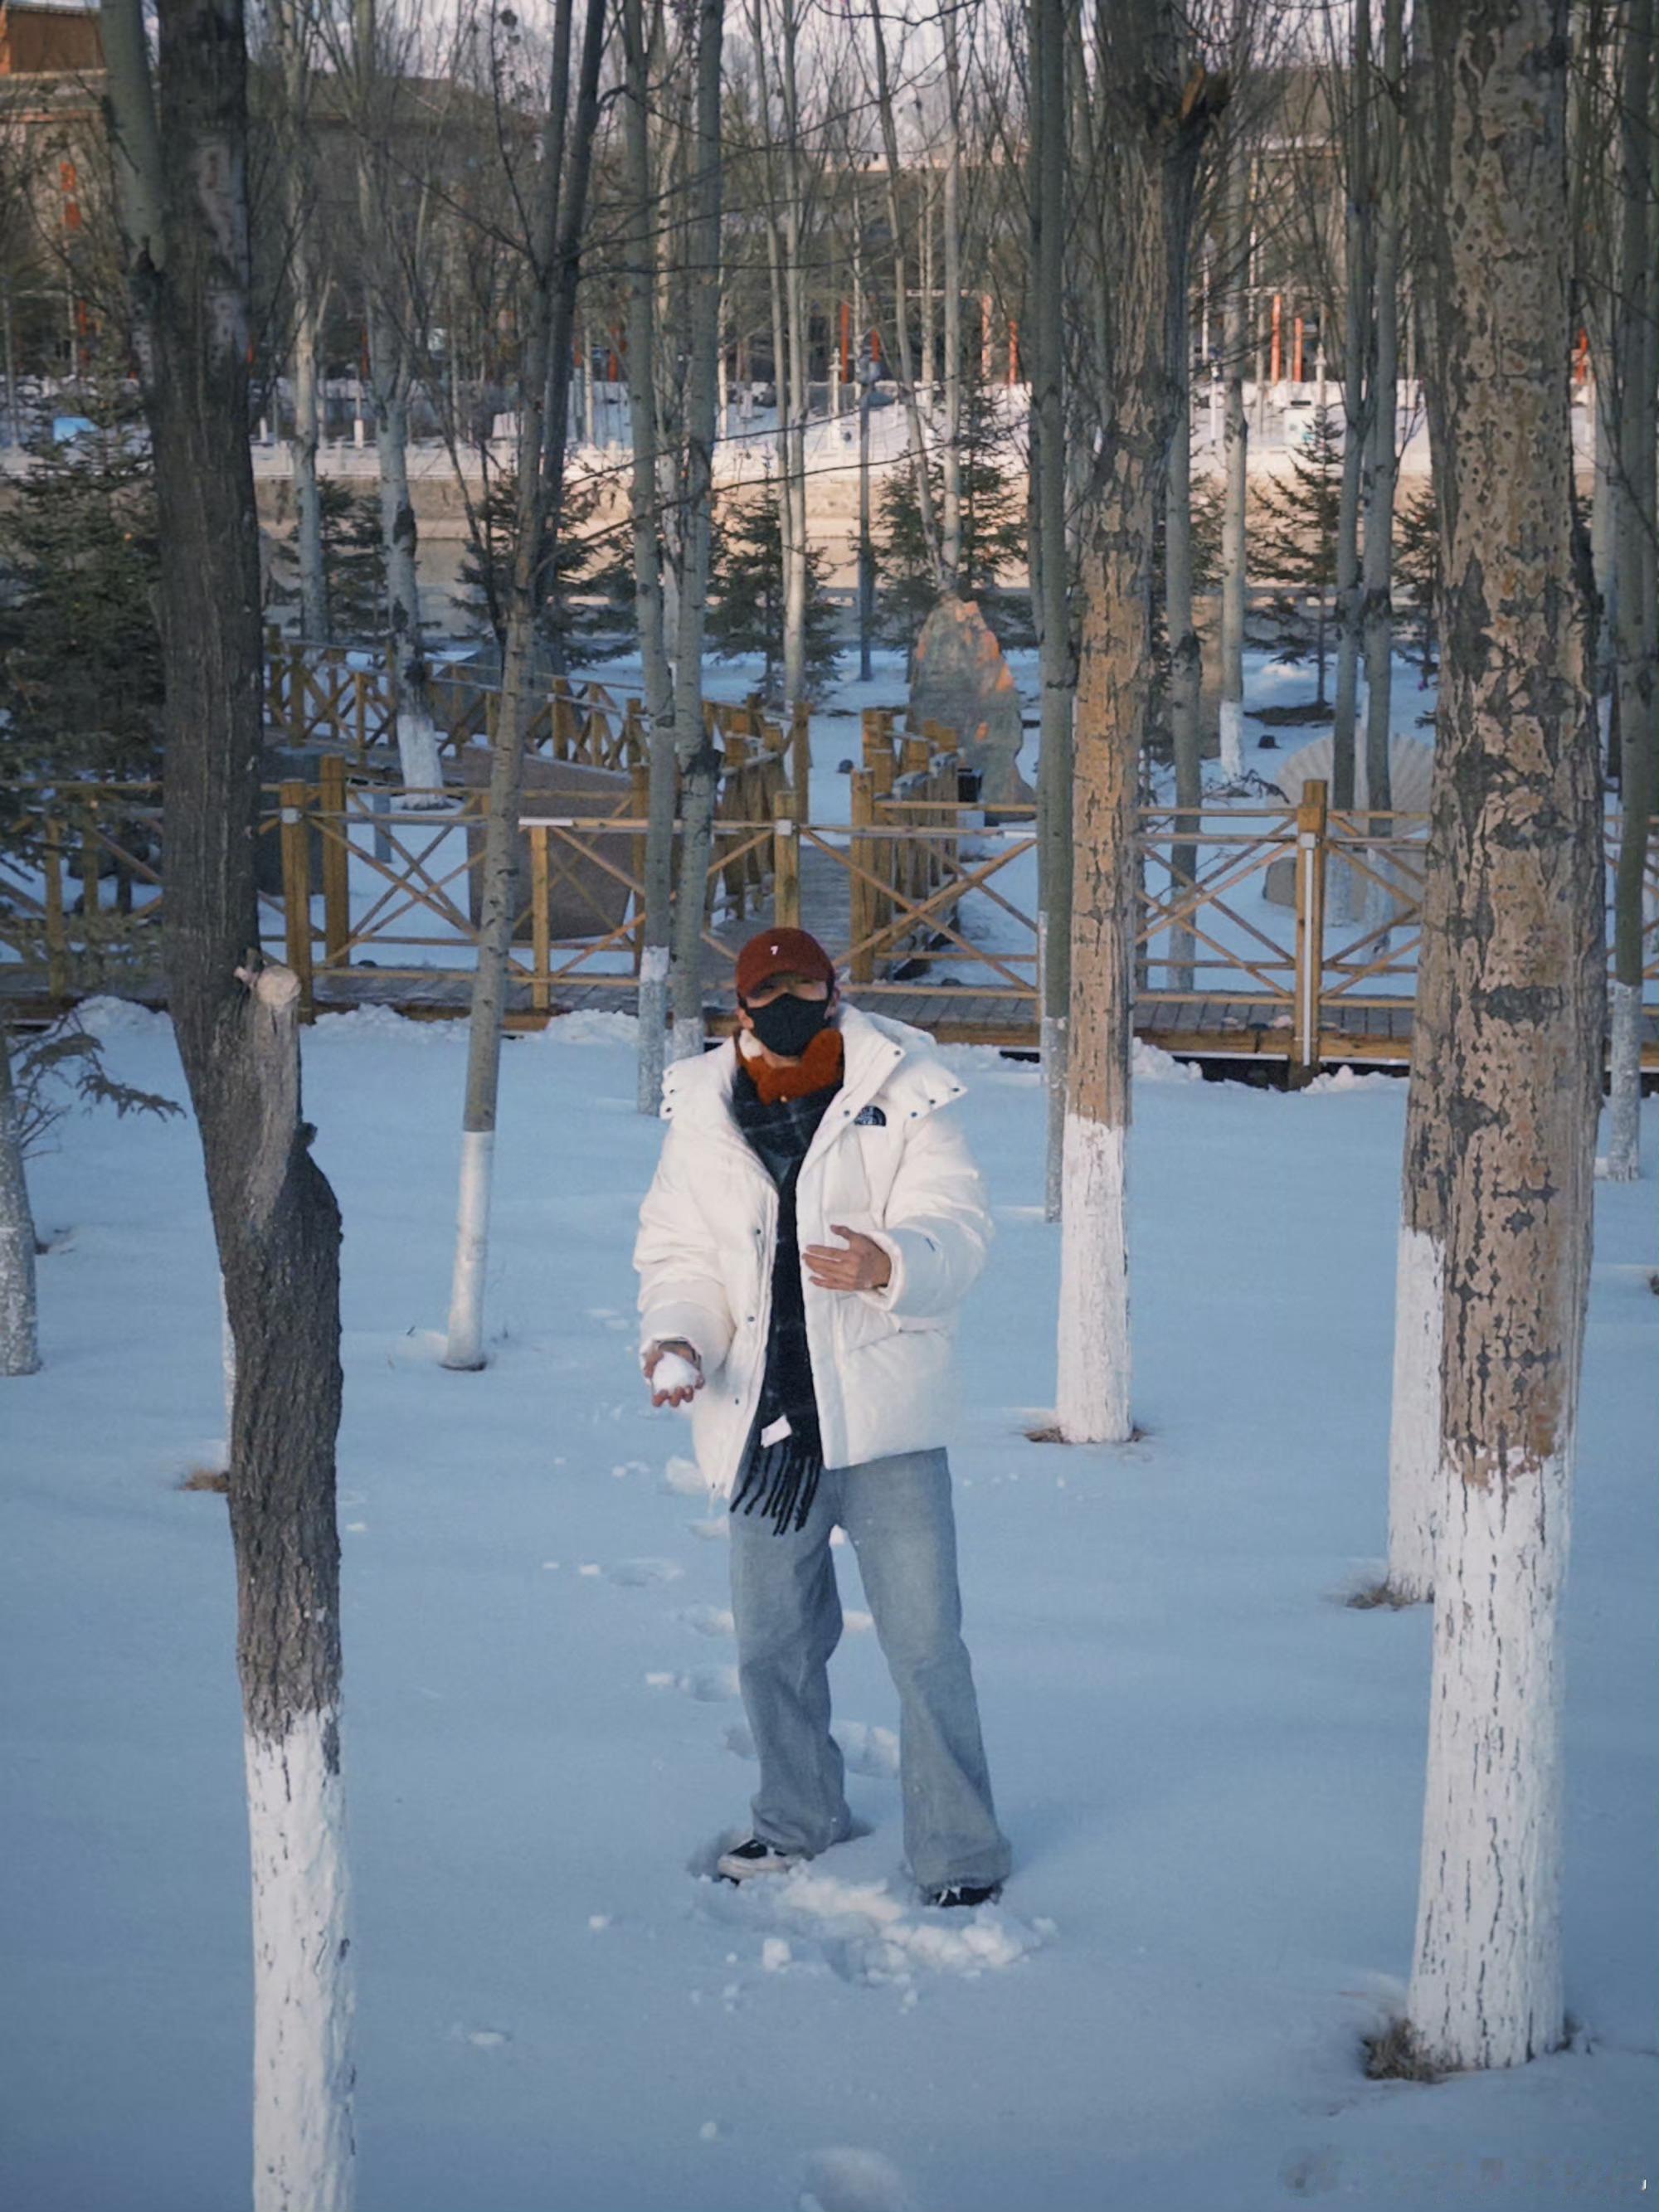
(886, 1159)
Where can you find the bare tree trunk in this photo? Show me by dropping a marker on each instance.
(951, 457)
(699, 756)
(554, 248)
(186, 241)
(19, 1346)
(1186, 669)
(795, 571)
(925, 503)
(1050, 563)
(1235, 552)
(1382, 470)
(1357, 396)
(1415, 1503)
(642, 278)
(1635, 643)
(1518, 834)
(1154, 116)
(315, 624)
(291, 31)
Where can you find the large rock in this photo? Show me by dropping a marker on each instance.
(961, 681)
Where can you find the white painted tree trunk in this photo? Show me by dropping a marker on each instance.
(1624, 1155)
(303, 1982)
(1092, 1392)
(1492, 1817)
(1516, 853)
(464, 1348)
(419, 761)
(1414, 1483)
(20, 1349)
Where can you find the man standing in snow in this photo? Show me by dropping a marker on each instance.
(818, 1379)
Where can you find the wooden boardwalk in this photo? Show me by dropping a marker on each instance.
(1222, 1030)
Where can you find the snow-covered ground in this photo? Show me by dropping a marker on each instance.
(1210, 1766)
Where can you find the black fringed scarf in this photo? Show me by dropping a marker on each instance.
(780, 1479)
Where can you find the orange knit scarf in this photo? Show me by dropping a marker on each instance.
(818, 1069)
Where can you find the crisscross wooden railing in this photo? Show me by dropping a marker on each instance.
(1300, 925)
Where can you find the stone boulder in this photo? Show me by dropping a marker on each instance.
(961, 681)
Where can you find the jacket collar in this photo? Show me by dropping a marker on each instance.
(697, 1091)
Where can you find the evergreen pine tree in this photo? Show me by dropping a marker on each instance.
(354, 565)
(79, 653)
(1294, 541)
(1417, 565)
(993, 531)
(586, 588)
(746, 590)
(80, 677)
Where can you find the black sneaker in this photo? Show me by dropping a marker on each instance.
(963, 1893)
(755, 1856)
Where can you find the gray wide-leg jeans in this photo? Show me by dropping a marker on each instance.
(897, 1516)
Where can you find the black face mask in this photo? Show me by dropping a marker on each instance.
(788, 1024)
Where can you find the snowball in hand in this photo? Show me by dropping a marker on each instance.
(673, 1373)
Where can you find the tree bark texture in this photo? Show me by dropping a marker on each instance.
(698, 754)
(1235, 439)
(1357, 396)
(903, 359)
(1381, 467)
(559, 208)
(1050, 564)
(642, 281)
(1516, 835)
(1636, 624)
(1186, 669)
(1154, 119)
(275, 1218)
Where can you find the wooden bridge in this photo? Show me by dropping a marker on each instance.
(1282, 934)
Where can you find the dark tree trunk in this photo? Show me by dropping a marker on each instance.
(275, 1218)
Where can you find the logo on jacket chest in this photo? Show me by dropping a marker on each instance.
(871, 1118)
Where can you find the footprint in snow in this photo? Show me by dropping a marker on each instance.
(639, 1574)
(868, 1935)
(710, 1685)
(709, 1619)
(684, 1478)
(869, 1751)
(848, 2180)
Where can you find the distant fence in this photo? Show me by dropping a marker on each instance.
(1288, 932)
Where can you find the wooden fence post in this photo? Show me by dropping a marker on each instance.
(800, 761)
(639, 806)
(541, 921)
(862, 891)
(336, 858)
(296, 886)
(786, 864)
(58, 963)
(1310, 859)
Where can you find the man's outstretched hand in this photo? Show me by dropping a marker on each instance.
(683, 1377)
(864, 1266)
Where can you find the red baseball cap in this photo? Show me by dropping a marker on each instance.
(782, 952)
